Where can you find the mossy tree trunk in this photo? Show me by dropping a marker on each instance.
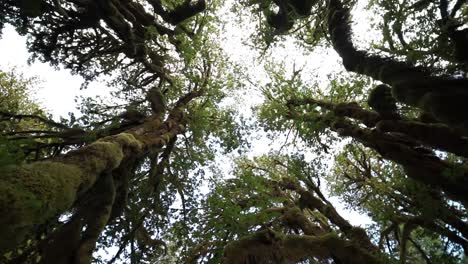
(332, 239)
(402, 147)
(32, 194)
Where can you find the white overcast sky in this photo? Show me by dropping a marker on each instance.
(58, 88)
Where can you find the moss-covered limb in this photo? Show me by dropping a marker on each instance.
(153, 134)
(268, 246)
(434, 227)
(380, 99)
(446, 219)
(351, 110)
(185, 10)
(180, 13)
(428, 169)
(442, 96)
(420, 166)
(446, 104)
(347, 251)
(31, 194)
(307, 199)
(385, 70)
(310, 101)
(293, 217)
(76, 136)
(438, 136)
(354, 111)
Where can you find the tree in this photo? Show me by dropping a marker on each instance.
(410, 218)
(18, 112)
(276, 206)
(171, 76)
(395, 134)
(440, 35)
(115, 176)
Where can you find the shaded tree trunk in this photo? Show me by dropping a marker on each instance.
(32, 194)
(444, 97)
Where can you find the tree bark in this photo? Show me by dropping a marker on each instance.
(31, 194)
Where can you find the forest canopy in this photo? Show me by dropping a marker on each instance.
(181, 164)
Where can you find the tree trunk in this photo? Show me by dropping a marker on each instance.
(32, 194)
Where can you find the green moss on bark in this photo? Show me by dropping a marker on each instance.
(268, 246)
(31, 194)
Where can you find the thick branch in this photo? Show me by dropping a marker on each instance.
(272, 247)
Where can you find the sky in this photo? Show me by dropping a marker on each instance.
(59, 88)
(315, 65)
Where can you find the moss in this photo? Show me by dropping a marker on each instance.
(268, 246)
(103, 155)
(330, 244)
(127, 140)
(31, 194)
(272, 247)
(298, 247)
(261, 247)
